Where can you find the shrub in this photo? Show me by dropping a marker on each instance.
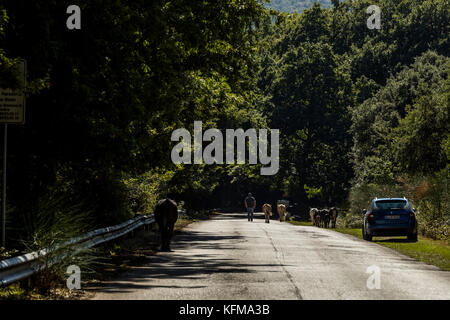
(349, 220)
(144, 191)
(362, 195)
(431, 225)
(54, 223)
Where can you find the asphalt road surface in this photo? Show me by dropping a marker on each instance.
(228, 257)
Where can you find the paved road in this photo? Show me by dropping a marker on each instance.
(228, 257)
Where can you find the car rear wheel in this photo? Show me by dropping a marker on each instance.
(366, 236)
(412, 237)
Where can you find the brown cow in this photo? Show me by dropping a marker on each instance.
(333, 216)
(281, 209)
(166, 214)
(267, 209)
(313, 212)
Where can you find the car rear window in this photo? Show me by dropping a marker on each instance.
(391, 204)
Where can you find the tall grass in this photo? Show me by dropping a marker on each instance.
(52, 223)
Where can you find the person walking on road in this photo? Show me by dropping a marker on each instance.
(250, 205)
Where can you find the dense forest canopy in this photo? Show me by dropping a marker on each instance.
(362, 112)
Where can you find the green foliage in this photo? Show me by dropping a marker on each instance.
(310, 95)
(352, 220)
(8, 78)
(404, 125)
(421, 138)
(312, 192)
(104, 100)
(13, 292)
(431, 224)
(397, 97)
(409, 28)
(5, 254)
(362, 113)
(361, 196)
(50, 227)
(432, 198)
(145, 190)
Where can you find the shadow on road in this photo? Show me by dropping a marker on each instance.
(394, 240)
(240, 216)
(195, 256)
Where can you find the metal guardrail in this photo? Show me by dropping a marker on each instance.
(21, 267)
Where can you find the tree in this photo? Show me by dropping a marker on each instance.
(111, 93)
(401, 128)
(421, 138)
(309, 100)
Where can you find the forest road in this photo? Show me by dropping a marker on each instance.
(227, 257)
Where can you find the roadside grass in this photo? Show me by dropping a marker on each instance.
(430, 251)
(301, 223)
(435, 252)
(357, 232)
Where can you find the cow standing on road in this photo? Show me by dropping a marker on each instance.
(325, 218)
(333, 216)
(318, 218)
(267, 209)
(281, 208)
(166, 214)
(313, 212)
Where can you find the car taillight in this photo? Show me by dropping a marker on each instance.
(371, 217)
(412, 216)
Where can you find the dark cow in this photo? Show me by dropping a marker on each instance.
(333, 216)
(166, 214)
(325, 218)
(318, 218)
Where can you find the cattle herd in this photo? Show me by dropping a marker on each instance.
(281, 210)
(323, 218)
(166, 214)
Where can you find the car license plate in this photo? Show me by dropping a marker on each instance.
(393, 217)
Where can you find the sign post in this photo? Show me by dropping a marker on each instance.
(5, 152)
(12, 110)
